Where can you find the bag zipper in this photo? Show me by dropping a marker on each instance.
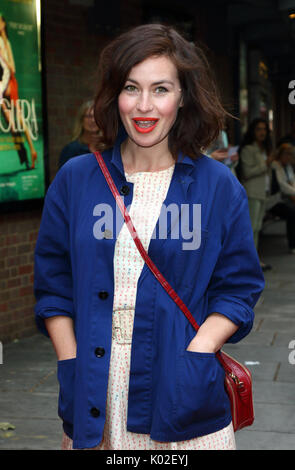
(234, 404)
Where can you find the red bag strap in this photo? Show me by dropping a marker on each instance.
(139, 245)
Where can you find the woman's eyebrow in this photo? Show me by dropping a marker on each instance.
(154, 83)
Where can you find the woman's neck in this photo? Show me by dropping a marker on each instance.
(137, 158)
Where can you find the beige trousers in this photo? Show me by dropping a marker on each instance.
(257, 211)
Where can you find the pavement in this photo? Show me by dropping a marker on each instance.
(29, 388)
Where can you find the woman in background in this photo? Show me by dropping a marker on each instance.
(85, 134)
(255, 159)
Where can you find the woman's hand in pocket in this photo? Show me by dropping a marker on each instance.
(202, 345)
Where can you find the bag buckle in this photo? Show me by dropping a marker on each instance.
(236, 380)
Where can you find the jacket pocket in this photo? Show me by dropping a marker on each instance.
(200, 392)
(66, 379)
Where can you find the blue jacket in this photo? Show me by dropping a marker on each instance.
(174, 394)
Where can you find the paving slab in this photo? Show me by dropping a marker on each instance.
(32, 433)
(265, 440)
(273, 392)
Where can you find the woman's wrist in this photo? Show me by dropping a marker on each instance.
(61, 331)
(212, 334)
(66, 356)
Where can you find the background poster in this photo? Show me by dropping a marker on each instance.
(21, 128)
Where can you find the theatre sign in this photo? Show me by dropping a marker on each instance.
(22, 170)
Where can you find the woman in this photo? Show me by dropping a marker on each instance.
(133, 374)
(284, 175)
(85, 134)
(255, 158)
(10, 91)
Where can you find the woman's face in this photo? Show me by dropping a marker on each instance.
(89, 123)
(149, 101)
(260, 132)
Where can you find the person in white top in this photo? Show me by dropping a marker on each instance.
(255, 159)
(284, 177)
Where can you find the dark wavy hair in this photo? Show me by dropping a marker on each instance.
(199, 120)
(249, 137)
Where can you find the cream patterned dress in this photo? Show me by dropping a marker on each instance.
(149, 192)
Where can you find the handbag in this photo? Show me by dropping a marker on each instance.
(238, 379)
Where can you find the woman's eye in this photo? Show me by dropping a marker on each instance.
(131, 88)
(161, 90)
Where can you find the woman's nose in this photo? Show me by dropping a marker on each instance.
(144, 102)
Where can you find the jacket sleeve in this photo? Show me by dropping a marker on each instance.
(52, 264)
(237, 280)
(251, 166)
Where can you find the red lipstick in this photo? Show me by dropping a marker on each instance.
(142, 124)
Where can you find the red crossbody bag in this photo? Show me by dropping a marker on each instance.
(238, 380)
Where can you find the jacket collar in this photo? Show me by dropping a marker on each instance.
(116, 152)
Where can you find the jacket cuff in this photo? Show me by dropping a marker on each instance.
(236, 312)
(51, 306)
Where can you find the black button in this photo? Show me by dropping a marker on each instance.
(99, 352)
(125, 190)
(95, 412)
(103, 294)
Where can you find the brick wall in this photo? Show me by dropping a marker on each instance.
(17, 241)
(71, 54)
